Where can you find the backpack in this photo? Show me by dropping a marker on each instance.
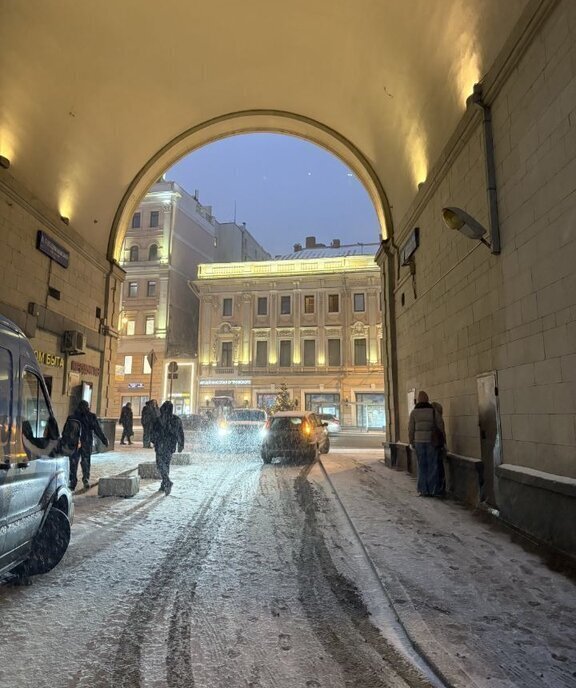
(71, 434)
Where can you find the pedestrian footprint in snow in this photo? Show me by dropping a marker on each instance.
(167, 433)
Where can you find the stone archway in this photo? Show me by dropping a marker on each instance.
(252, 121)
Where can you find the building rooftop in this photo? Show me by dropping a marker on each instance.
(332, 252)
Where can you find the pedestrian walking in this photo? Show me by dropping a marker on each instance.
(167, 434)
(127, 423)
(422, 426)
(89, 426)
(147, 420)
(440, 450)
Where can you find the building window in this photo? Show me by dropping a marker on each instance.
(154, 218)
(133, 254)
(285, 305)
(146, 369)
(151, 290)
(127, 365)
(226, 358)
(153, 252)
(309, 304)
(334, 356)
(360, 352)
(333, 303)
(261, 353)
(285, 353)
(359, 306)
(309, 353)
(130, 327)
(262, 305)
(132, 289)
(136, 221)
(227, 307)
(150, 324)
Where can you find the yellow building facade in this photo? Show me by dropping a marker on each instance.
(315, 324)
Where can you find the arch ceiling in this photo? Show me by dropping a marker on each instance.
(93, 91)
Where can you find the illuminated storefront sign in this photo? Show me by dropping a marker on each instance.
(216, 382)
(47, 359)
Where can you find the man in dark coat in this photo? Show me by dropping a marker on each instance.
(126, 421)
(167, 433)
(150, 413)
(89, 427)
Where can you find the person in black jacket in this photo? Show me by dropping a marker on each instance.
(89, 426)
(167, 433)
(127, 423)
(150, 413)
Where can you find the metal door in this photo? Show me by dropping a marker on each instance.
(490, 433)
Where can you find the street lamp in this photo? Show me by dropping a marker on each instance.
(459, 220)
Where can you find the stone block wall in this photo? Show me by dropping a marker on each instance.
(466, 311)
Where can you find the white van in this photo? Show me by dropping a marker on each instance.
(36, 507)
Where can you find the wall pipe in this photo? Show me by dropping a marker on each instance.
(477, 99)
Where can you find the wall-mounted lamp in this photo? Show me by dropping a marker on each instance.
(4, 162)
(459, 220)
(65, 220)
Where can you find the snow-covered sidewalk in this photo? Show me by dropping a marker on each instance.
(492, 612)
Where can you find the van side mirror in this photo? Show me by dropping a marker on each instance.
(52, 431)
(324, 424)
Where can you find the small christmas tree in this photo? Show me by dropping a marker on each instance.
(283, 401)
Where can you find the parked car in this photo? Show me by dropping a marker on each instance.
(296, 435)
(242, 428)
(36, 506)
(333, 422)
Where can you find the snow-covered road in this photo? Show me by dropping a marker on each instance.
(253, 576)
(227, 582)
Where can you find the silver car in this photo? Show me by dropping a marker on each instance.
(36, 506)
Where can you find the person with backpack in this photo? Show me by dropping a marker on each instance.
(167, 434)
(89, 426)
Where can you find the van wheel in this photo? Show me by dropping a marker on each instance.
(50, 543)
(325, 447)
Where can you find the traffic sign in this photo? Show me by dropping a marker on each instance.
(151, 358)
(172, 367)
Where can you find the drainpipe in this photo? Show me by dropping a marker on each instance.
(476, 99)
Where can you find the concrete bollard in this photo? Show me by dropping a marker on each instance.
(119, 486)
(182, 459)
(148, 471)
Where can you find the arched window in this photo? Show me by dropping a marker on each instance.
(133, 254)
(153, 252)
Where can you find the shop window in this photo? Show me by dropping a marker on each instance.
(133, 254)
(136, 221)
(227, 307)
(360, 358)
(154, 218)
(262, 305)
(132, 289)
(309, 303)
(261, 353)
(226, 357)
(334, 354)
(309, 353)
(333, 303)
(359, 304)
(285, 353)
(127, 365)
(285, 305)
(151, 289)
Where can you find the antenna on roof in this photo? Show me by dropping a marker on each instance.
(234, 212)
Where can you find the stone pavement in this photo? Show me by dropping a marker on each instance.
(485, 605)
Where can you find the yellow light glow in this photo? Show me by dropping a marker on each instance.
(467, 69)
(417, 155)
(296, 359)
(321, 360)
(205, 361)
(7, 145)
(272, 360)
